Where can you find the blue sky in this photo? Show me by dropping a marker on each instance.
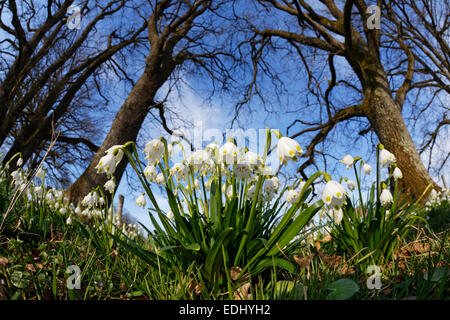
(191, 103)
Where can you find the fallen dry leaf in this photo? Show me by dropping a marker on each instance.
(234, 272)
(3, 261)
(242, 293)
(303, 262)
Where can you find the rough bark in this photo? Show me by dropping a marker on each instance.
(125, 127)
(386, 119)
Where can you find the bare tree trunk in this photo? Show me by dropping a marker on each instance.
(385, 117)
(125, 127)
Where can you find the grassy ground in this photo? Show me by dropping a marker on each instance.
(37, 247)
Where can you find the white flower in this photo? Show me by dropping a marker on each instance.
(333, 194)
(386, 158)
(116, 151)
(199, 159)
(367, 169)
(140, 201)
(38, 190)
(107, 164)
(433, 194)
(288, 149)
(301, 186)
(69, 220)
(292, 196)
(351, 185)
(271, 185)
(252, 159)
(229, 153)
(170, 215)
(348, 161)
(229, 192)
(150, 172)
(90, 200)
(397, 174)
(78, 211)
(243, 171)
(49, 197)
(211, 148)
(266, 171)
(110, 185)
(386, 197)
(63, 210)
(15, 175)
(180, 170)
(251, 192)
(160, 178)
(154, 151)
(19, 162)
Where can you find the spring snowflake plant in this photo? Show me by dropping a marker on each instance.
(226, 210)
(45, 204)
(370, 231)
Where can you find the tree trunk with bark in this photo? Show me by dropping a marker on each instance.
(125, 127)
(386, 120)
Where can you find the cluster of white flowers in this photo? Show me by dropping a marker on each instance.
(436, 198)
(228, 160)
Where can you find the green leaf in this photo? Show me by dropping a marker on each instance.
(289, 290)
(212, 259)
(437, 275)
(18, 280)
(273, 262)
(294, 228)
(193, 246)
(342, 289)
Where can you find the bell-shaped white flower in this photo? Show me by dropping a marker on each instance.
(386, 197)
(288, 149)
(252, 159)
(333, 194)
(351, 185)
(386, 158)
(397, 174)
(367, 169)
(160, 179)
(69, 220)
(348, 161)
(180, 170)
(243, 171)
(16, 175)
(199, 159)
(150, 172)
(140, 201)
(229, 192)
(19, 162)
(271, 185)
(292, 196)
(117, 152)
(154, 151)
(107, 164)
(251, 192)
(229, 153)
(110, 186)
